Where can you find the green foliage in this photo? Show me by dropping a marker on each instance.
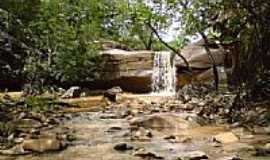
(38, 103)
(54, 41)
(6, 129)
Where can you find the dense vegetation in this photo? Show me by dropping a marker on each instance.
(51, 42)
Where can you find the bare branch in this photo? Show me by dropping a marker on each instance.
(176, 51)
(206, 46)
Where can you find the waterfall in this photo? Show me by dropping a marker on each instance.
(164, 74)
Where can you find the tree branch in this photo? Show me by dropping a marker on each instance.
(215, 72)
(176, 51)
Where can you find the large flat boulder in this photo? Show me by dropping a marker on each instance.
(131, 70)
(198, 58)
(200, 63)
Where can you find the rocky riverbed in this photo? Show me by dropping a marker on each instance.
(134, 127)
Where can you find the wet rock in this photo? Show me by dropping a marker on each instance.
(234, 157)
(239, 147)
(18, 140)
(267, 130)
(123, 147)
(42, 145)
(249, 136)
(143, 153)
(184, 139)
(26, 125)
(114, 129)
(113, 93)
(240, 131)
(267, 147)
(141, 134)
(194, 155)
(178, 139)
(36, 116)
(170, 137)
(108, 116)
(125, 113)
(16, 150)
(162, 121)
(227, 137)
(73, 92)
(263, 151)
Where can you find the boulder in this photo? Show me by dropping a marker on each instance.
(130, 70)
(112, 94)
(227, 137)
(73, 92)
(197, 56)
(200, 63)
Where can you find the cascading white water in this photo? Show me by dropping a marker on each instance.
(164, 74)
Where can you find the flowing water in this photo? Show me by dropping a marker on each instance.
(164, 74)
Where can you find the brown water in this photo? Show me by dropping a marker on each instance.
(94, 142)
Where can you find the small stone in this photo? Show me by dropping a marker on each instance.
(123, 147)
(227, 137)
